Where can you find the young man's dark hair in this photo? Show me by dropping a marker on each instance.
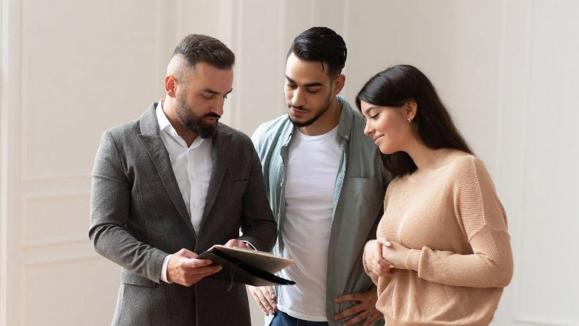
(321, 44)
(202, 48)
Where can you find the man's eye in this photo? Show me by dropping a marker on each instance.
(291, 86)
(313, 91)
(208, 96)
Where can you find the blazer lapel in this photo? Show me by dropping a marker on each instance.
(220, 157)
(154, 145)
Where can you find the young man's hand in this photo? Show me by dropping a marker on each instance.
(265, 297)
(362, 312)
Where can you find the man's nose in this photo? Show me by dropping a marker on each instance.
(297, 98)
(217, 106)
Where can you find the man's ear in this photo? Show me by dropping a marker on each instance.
(171, 85)
(339, 83)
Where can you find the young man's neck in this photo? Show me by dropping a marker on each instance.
(328, 121)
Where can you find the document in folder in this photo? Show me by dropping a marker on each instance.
(245, 266)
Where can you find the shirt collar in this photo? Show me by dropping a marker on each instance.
(166, 127)
(346, 118)
(344, 125)
(164, 123)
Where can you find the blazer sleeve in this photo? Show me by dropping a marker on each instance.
(110, 203)
(258, 225)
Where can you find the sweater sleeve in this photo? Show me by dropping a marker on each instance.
(370, 274)
(482, 217)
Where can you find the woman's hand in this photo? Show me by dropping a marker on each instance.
(395, 253)
(374, 262)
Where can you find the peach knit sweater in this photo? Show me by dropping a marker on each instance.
(461, 256)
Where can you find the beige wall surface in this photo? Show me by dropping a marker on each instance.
(507, 70)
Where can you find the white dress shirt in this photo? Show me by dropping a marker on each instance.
(192, 166)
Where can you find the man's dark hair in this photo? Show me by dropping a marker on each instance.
(197, 48)
(321, 44)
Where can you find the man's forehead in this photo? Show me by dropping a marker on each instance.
(217, 81)
(206, 69)
(305, 72)
(315, 65)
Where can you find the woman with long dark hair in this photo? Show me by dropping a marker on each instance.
(442, 254)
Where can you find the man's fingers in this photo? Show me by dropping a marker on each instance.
(205, 270)
(348, 297)
(357, 319)
(269, 308)
(266, 304)
(236, 243)
(196, 263)
(349, 312)
(269, 290)
(269, 302)
(232, 243)
(255, 294)
(262, 307)
(186, 253)
(196, 275)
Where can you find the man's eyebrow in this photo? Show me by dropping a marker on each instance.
(214, 92)
(209, 90)
(312, 84)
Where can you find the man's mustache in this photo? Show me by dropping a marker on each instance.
(212, 115)
(301, 108)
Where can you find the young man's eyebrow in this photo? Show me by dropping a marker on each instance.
(312, 84)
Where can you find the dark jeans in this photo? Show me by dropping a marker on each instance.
(283, 319)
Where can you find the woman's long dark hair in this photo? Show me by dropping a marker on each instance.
(396, 86)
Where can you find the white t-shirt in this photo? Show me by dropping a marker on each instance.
(312, 169)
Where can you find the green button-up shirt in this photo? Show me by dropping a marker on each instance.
(358, 197)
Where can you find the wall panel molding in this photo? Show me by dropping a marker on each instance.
(530, 320)
(44, 208)
(526, 82)
(45, 216)
(33, 261)
(10, 104)
(511, 143)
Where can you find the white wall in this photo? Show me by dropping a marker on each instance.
(506, 69)
(70, 69)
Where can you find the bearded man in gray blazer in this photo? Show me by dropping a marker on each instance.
(172, 184)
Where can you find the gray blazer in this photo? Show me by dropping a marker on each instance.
(138, 217)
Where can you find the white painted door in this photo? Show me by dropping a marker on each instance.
(70, 69)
